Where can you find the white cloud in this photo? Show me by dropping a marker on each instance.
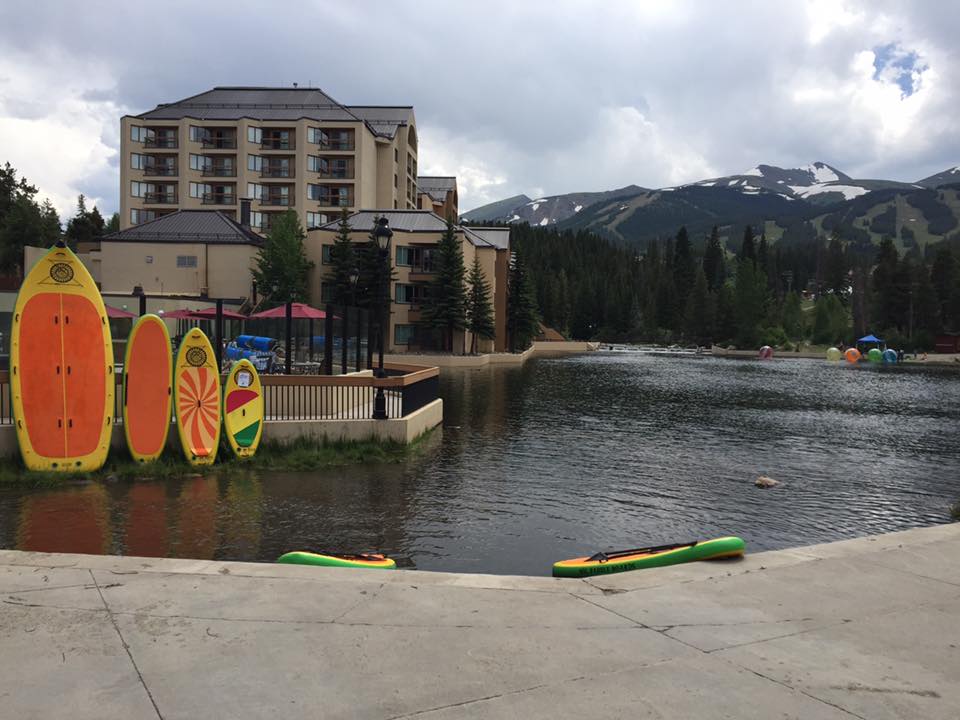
(53, 131)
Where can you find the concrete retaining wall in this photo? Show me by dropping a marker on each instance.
(538, 349)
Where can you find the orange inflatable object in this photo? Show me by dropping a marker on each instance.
(61, 367)
(852, 356)
(147, 377)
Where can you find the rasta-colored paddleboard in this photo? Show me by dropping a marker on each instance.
(61, 367)
(335, 559)
(243, 408)
(196, 387)
(639, 558)
(147, 388)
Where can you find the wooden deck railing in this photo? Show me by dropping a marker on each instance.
(407, 388)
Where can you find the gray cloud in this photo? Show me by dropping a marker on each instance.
(535, 97)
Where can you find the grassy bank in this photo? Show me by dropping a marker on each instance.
(301, 455)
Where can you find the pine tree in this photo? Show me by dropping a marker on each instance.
(945, 277)
(837, 268)
(713, 261)
(86, 226)
(22, 221)
(282, 269)
(479, 310)
(792, 316)
(522, 317)
(700, 318)
(747, 248)
(885, 275)
(684, 268)
(344, 262)
(763, 255)
(113, 225)
(447, 297)
(750, 294)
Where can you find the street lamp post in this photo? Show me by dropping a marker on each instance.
(382, 234)
(354, 279)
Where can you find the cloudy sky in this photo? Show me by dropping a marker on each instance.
(512, 97)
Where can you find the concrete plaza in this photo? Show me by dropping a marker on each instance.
(865, 628)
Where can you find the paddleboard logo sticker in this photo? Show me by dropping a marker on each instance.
(244, 379)
(61, 272)
(197, 357)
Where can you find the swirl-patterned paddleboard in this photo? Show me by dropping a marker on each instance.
(61, 367)
(147, 374)
(196, 388)
(243, 408)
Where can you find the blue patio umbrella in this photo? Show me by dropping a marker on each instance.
(869, 339)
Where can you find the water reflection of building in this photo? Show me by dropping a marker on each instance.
(74, 520)
(146, 532)
(240, 516)
(194, 530)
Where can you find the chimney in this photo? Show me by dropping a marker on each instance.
(245, 212)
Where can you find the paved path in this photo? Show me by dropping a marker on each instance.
(866, 628)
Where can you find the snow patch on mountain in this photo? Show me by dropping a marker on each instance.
(849, 191)
(821, 173)
(754, 171)
(545, 221)
(578, 208)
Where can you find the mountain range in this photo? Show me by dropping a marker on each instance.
(815, 199)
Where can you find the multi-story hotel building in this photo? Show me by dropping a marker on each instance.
(282, 148)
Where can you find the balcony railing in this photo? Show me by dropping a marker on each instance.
(220, 170)
(278, 144)
(334, 200)
(337, 145)
(337, 174)
(219, 143)
(277, 200)
(160, 198)
(276, 172)
(160, 170)
(161, 141)
(219, 199)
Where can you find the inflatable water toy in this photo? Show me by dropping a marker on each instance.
(243, 408)
(852, 356)
(61, 367)
(766, 353)
(875, 355)
(834, 355)
(603, 563)
(337, 559)
(147, 388)
(196, 387)
(889, 356)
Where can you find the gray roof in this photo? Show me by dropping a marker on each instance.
(264, 103)
(402, 221)
(436, 186)
(189, 226)
(499, 237)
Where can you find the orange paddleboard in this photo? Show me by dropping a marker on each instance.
(61, 367)
(147, 388)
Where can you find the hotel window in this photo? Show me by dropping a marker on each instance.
(396, 181)
(138, 161)
(197, 134)
(326, 292)
(254, 163)
(256, 219)
(326, 254)
(196, 190)
(186, 261)
(315, 220)
(409, 294)
(255, 135)
(404, 334)
(138, 216)
(254, 191)
(138, 133)
(317, 164)
(196, 162)
(396, 156)
(139, 189)
(313, 135)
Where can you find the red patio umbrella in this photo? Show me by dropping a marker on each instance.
(116, 313)
(298, 311)
(177, 314)
(211, 314)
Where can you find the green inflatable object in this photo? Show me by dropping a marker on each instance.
(875, 355)
(336, 559)
(604, 563)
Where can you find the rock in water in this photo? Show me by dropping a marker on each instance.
(766, 482)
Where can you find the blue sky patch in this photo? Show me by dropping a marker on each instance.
(891, 63)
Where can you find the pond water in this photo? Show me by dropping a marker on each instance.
(564, 457)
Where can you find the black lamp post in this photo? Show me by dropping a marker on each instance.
(382, 234)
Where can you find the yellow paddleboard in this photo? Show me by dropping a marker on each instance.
(196, 387)
(61, 367)
(243, 408)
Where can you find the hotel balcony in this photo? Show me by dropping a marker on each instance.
(161, 140)
(219, 199)
(160, 170)
(160, 198)
(277, 171)
(268, 200)
(219, 140)
(333, 169)
(278, 142)
(219, 170)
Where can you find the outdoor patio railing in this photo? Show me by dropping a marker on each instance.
(407, 388)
